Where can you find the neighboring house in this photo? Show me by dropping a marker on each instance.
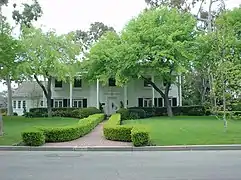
(27, 95)
(137, 93)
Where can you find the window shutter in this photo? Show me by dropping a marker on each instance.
(160, 102)
(155, 102)
(140, 102)
(52, 103)
(174, 101)
(65, 103)
(84, 103)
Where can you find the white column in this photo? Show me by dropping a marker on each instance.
(180, 90)
(98, 94)
(125, 96)
(70, 94)
(153, 91)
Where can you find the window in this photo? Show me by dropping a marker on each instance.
(41, 103)
(78, 103)
(146, 83)
(58, 84)
(24, 104)
(77, 83)
(58, 103)
(174, 101)
(112, 82)
(147, 102)
(14, 104)
(19, 104)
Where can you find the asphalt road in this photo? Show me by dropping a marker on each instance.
(212, 165)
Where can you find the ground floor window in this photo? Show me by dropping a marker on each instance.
(19, 104)
(78, 103)
(147, 102)
(14, 104)
(58, 103)
(24, 104)
(41, 103)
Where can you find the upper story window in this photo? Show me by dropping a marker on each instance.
(112, 82)
(146, 83)
(58, 84)
(77, 83)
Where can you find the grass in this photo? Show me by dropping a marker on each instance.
(13, 126)
(190, 130)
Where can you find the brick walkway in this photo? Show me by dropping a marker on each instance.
(94, 138)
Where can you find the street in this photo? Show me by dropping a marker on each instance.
(193, 165)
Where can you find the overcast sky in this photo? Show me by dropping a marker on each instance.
(68, 15)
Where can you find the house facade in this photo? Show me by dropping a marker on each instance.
(81, 93)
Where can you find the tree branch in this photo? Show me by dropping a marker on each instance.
(41, 85)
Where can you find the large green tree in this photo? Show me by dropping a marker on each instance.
(156, 42)
(49, 56)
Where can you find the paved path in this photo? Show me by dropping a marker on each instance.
(193, 165)
(94, 138)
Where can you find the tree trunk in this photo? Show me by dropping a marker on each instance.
(163, 95)
(49, 97)
(47, 93)
(1, 124)
(10, 106)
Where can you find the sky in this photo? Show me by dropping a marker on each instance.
(68, 15)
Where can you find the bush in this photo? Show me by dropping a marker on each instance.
(68, 133)
(63, 112)
(131, 113)
(162, 111)
(15, 114)
(124, 113)
(114, 131)
(140, 136)
(33, 138)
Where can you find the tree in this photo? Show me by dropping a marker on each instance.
(88, 38)
(156, 42)
(49, 56)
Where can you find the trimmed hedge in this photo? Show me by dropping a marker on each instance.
(113, 130)
(33, 137)
(177, 111)
(68, 133)
(140, 136)
(63, 112)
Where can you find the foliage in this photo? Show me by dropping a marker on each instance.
(140, 136)
(114, 131)
(33, 138)
(147, 45)
(49, 56)
(68, 133)
(131, 113)
(63, 112)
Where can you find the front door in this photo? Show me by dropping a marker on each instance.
(113, 105)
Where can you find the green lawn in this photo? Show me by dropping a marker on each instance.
(190, 130)
(13, 126)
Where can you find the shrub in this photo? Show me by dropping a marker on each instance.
(33, 138)
(63, 112)
(137, 113)
(140, 136)
(182, 110)
(68, 133)
(114, 131)
(15, 114)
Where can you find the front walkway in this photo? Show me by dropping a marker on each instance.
(94, 138)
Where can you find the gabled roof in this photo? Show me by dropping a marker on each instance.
(28, 89)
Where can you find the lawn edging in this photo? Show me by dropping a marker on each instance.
(113, 130)
(230, 147)
(41, 135)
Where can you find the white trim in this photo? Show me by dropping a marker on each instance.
(125, 96)
(70, 94)
(153, 91)
(77, 101)
(97, 94)
(58, 101)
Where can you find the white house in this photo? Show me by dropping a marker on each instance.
(84, 94)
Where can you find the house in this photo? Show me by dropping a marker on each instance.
(3, 100)
(81, 93)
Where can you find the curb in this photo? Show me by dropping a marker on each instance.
(123, 148)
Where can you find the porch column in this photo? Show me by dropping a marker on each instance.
(70, 94)
(98, 94)
(153, 91)
(180, 89)
(125, 96)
